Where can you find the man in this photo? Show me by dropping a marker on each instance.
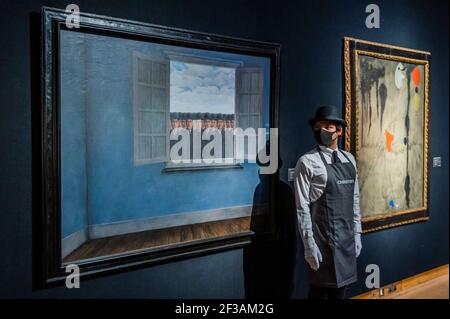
(220, 124)
(189, 124)
(327, 200)
(214, 123)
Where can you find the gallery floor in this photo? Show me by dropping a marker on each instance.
(436, 288)
(119, 244)
(432, 284)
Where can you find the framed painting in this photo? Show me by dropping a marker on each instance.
(387, 109)
(140, 160)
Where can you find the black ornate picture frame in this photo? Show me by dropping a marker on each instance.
(51, 266)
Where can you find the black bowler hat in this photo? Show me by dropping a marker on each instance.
(327, 113)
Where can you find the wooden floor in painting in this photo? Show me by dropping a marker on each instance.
(156, 238)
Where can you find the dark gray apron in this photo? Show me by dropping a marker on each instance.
(332, 222)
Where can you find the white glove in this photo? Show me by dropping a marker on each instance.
(312, 253)
(358, 244)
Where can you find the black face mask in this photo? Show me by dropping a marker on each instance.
(324, 137)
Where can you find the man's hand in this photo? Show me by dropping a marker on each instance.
(312, 254)
(358, 244)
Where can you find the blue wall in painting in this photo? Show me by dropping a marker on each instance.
(311, 73)
(74, 194)
(97, 84)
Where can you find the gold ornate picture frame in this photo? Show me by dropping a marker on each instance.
(387, 112)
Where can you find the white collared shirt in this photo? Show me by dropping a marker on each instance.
(310, 182)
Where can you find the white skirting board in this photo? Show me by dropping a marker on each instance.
(166, 221)
(73, 241)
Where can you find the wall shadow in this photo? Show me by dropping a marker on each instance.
(269, 264)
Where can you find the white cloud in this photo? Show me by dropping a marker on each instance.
(201, 88)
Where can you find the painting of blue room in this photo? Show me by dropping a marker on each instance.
(120, 99)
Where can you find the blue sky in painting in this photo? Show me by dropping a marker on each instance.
(201, 88)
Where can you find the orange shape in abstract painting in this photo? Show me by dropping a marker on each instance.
(416, 75)
(389, 139)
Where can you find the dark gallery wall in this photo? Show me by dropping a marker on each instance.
(311, 35)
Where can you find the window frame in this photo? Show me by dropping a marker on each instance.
(194, 59)
(237, 66)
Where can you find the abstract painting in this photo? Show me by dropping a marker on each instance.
(387, 109)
